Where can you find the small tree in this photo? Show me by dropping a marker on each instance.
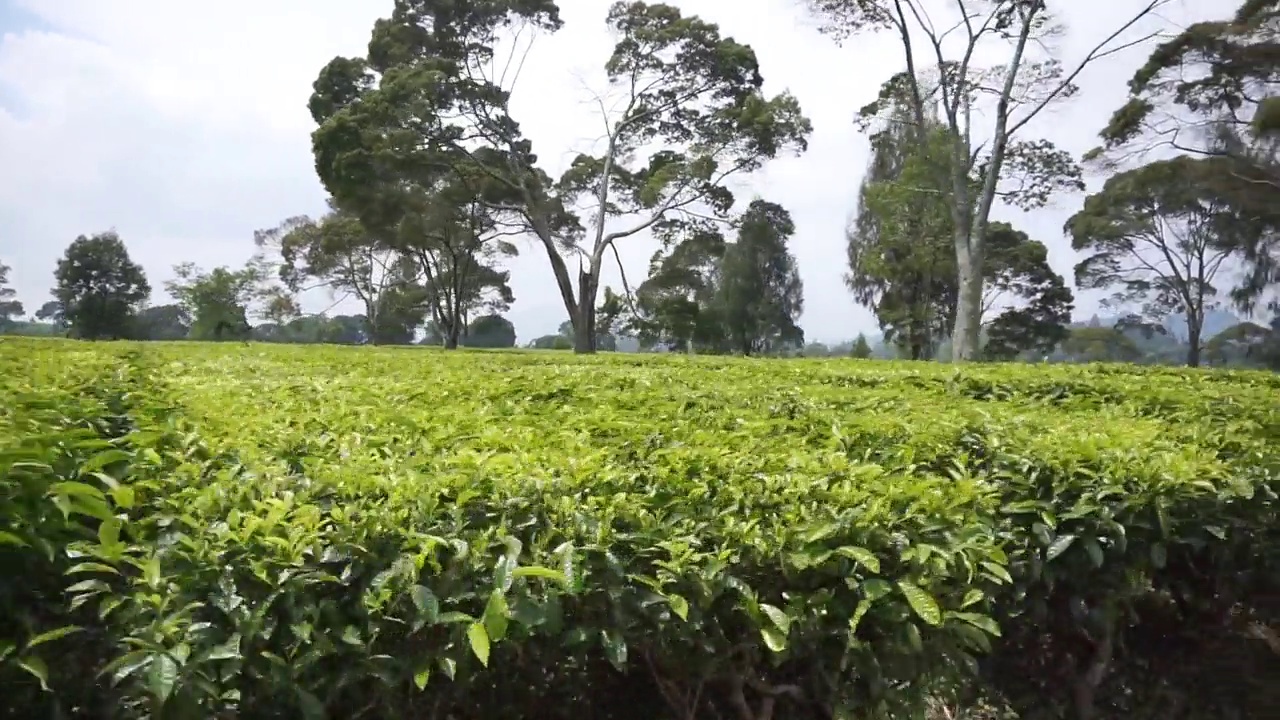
(98, 288)
(491, 331)
(861, 348)
(218, 301)
(1152, 238)
(10, 308)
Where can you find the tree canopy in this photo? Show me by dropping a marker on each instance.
(424, 108)
(99, 289)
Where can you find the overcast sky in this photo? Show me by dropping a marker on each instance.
(184, 127)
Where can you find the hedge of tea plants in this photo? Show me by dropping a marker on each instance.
(209, 531)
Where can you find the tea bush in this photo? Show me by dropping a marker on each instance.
(385, 533)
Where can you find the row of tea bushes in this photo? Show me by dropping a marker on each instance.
(326, 532)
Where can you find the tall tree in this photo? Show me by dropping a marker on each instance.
(98, 288)
(1210, 92)
(219, 301)
(1026, 305)
(337, 252)
(49, 312)
(1021, 172)
(10, 308)
(162, 322)
(455, 240)
(425, 96)
(902, 263)
(760, 297)
(676, 305)
(1152, 237)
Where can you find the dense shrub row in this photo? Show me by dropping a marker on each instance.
(323, 532)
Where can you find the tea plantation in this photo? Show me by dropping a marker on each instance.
(230, 531)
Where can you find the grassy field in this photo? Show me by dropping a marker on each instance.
(262, 531)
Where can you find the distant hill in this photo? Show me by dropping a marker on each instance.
(1215, 321)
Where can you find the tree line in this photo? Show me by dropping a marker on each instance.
(431, 182)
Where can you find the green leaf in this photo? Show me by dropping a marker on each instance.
(8, 538)
(109, 532)
(425, 601)
(1059, 546)
(496, 616)
(92, 567)
(421, 677)
(774, 639)
(88, 585)
(979, 621)
(479, 639)
(36, 667)
(126, 665)
(913, 637)
(351, 636)
(76, 489)
(52, 635)
(777, 617)
(858, 613)
(544, 573)
(615, 648)
(875, 588)
(972, 597)
(925, 607)
(1094, 549)
(997, 570)
(124, 497)
(161, 676)
(454, 618)
(861, 555)
(103, 459)
(679, 606)
(311, 706)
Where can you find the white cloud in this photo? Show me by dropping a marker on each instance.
(185, 128)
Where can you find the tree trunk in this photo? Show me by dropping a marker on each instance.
(965, 335)
(452, 331)
(584, 323)
(1194, 331)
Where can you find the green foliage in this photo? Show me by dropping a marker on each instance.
(490, 331)
(162, 322)
(419, 128)
(760, 296)
(1156, 239)
(218, 301)
(861, 348)
(98, 288)
(10, 309)
(331, 532)
(901, 263)
(1101, 344)
(902, 260)
(1229, 104)
(708, 295)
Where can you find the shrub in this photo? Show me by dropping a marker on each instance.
(328, 532)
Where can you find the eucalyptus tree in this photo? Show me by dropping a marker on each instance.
(953, 34)
(425, 101)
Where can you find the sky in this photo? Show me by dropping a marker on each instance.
(184, 128)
